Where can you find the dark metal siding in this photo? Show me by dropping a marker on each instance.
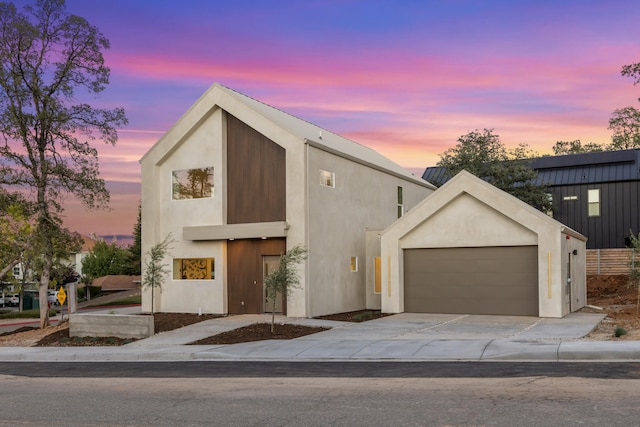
(256, 180)
(618, 212)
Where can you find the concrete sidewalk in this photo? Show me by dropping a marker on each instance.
(401, 337)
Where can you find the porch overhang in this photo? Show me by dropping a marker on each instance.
(256, 230)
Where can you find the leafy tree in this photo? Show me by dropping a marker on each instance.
(284, 279)
(155, 270)
(625, 124)
(16, 230)
(47, 57)
(576, 147)
(633, 71)
(103, 260)
(485, 156)
(135, 249)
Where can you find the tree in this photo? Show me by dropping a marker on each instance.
(576, 147)
(47, 58)
(103, 260)
(625, 124)
(155, 270)
(484, 155)
(135, 249)
(284, 279)
(16, 230)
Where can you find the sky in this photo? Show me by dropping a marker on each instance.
(406, 78)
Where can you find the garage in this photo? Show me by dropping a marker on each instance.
(470, 248)
(487, 280)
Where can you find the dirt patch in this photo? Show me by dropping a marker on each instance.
(618, 300)
(355, 316)
(260, 332)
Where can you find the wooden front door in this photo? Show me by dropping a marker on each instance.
(270, 263)
(245, 270)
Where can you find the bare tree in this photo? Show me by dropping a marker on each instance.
(47, 56)
(155, 270)
(284, 279)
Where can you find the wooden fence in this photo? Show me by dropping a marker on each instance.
(608, 261)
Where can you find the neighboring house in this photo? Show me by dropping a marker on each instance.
(76, 259)
(596, 194)
(471, 248)
(237, 182)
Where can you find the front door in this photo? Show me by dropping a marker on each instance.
(270, 263)
(246, 273)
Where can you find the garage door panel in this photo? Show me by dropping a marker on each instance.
(490, 280)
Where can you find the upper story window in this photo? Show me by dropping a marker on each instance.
(593, 202)
(192, 183)
(194, 269)
(327, 178)
(400, 202)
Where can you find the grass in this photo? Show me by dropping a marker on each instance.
(136, 299)
(26, 314)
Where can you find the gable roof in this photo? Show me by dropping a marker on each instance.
(225, 98)
(467, 183)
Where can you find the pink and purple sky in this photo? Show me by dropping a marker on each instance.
(406, 78)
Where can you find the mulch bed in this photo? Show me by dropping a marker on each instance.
(259, 332)
(170, 321)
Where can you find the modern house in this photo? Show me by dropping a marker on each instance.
(236, 182)
(471, 248)
(596, 194)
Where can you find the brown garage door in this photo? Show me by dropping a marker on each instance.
(487, 280)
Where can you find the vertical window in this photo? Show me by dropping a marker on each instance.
(194, 269)
(377, 287)
(593, 202)
(192, 184)
(328, 179)
(400, 202)
(354, 264)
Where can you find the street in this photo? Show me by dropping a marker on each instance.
(270, 394)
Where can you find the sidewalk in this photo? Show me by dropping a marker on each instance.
(401, 337)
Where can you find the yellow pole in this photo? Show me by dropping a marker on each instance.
(549, 275)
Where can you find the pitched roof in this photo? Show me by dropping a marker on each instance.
(224, 97)
(572, 169)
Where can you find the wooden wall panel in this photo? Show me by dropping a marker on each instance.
(256, 176)
(244, 269)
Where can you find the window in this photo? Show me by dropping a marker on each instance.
(192, 183)
(354, 264)
(593, 202)
(194, 269)
(328, 179)
(400, 202)
(377, 287)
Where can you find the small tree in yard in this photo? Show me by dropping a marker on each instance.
(155, 271)
(634, 267)
(285, 278)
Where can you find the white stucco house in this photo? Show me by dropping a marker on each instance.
(471, 248)
(237, 182)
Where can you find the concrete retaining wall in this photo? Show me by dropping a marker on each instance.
(110, 325)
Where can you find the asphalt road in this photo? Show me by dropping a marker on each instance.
(251, 369)
(523, 401)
